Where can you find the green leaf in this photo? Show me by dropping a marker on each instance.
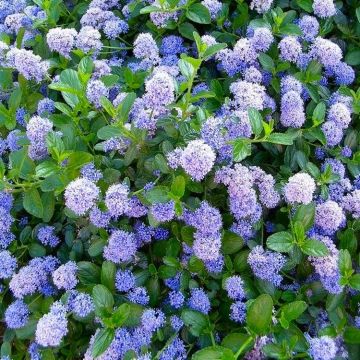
(32, 203)
(314, 247)
(186, 68)
(15, 99)
(274, 351)
(319, 113)
(266, 62)
(22, 163)
(119, 317)
(290, 29)
(305, 214)
(282, 138)
(166, 272)
(281, 241)
(354, 282)
(213, 49)
(5, 349)
(255, 121)
(37, 250)
(102, 297)
(97, 247)
(214, 353)
(110, 80)
(158, 194)
(161, 163)
(134, 317)
(70, 77)
(293, 310)
(241, 149)
(345, 263)
(108, 271)
(149, 9)
(198, 13)
(306, 5)
(187, 29)
(108, 132)
(235, 341)
(125, 106)
(77, 159)
(352, 335)
(195, 320)
(353, 57)
(46, 169)
(86, 65)
(88, 273)
(102, 341)
(259, 314)
(178, 186)
(28, 331)
(108, 106)
(358, 14)
(231, 242)
(48, 201)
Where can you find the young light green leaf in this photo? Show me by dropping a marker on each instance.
(255, 121)
(198, 13)
(259, 314)
(314, 247)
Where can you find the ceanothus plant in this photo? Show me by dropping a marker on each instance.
(180, 179)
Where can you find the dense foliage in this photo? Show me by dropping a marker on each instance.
(180, 179)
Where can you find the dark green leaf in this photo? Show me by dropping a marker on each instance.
(195, 320)
(186, 30)
(306, 5)
(88, 273)
(231, 242)
(48, 201)
(353, 57)
(166, 272)
(214, 353)
(235, 341)
(32, 203)
(37, 250)
(293, 310)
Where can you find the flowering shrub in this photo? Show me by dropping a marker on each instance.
(179, 179)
